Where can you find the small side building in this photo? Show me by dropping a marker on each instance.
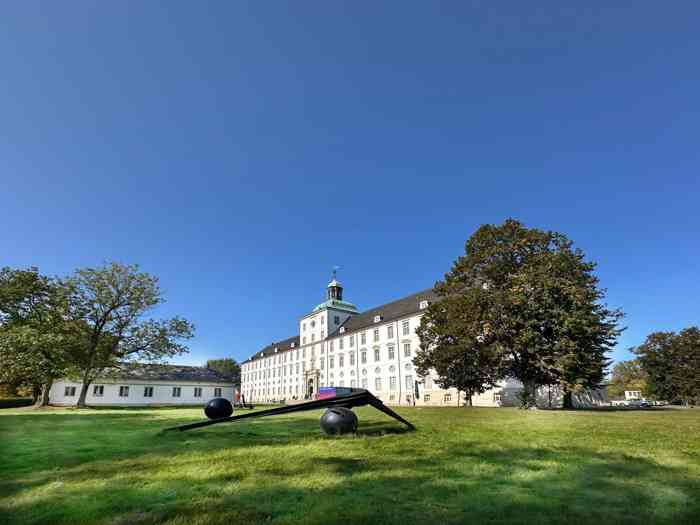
(138, 384)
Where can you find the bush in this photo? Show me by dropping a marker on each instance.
(13, 402)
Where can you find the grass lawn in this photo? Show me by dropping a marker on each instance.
(462, 466)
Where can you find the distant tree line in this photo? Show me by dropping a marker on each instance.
(667, 367)
(80, 325)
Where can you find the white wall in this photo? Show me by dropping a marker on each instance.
(162, 393)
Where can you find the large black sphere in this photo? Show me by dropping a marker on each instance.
(339, 420)
(218, 407)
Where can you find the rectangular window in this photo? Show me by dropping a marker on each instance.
(336, 319)
(147, 391)
(407, 349)
(364, 383)
(392, 383)
(341, 360)
(341, 382)
(390, 331)
(123, 391)
(351, 341)
(405, 327)
(409, 383)
(297, 368)
(98, 390)
(448, 398)
(390, 349)
(352, 383)
(323, 361)
(340, 343)
(303, 353)
(313, 337)
(363, 338)
(176, 391)
(303, 340)
(330, 346)
(217, 392)
(376, 354)
(363, 357)
(331, 362)
(426, 397)
(376, 335)
(352, 358)
(69, 391)
(198, 391)
(378, 384)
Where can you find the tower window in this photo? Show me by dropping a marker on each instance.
(336, 319)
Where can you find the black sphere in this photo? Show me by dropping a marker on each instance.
(338, 420)
(218, 407)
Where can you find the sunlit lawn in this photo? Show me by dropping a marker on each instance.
(461, 466)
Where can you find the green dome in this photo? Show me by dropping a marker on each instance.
(338, 305)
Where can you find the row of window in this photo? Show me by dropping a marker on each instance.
(99, 390)
(405, 330)
(283, 370)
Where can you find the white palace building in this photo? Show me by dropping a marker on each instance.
(338, 345)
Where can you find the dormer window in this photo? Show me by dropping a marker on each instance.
(423, 305)
(342, 330)
(377, 318)
(293, 345)
(277, 349)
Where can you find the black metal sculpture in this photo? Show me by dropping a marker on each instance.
(329, 397)
(218, 407)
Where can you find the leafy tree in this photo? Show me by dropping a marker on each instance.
(627, 375)
(36, 339)
(453, 346)
(537, 305)
(227, 367)
(112, 302)
(672, 364)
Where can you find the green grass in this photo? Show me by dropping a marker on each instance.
(112, 466)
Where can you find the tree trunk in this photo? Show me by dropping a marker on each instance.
(83, 390)
(43, 399)
(529, 394)
(567, 401)
(36, 393)
(469, 398)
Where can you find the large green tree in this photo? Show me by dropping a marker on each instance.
(36, 337)
(671, 362)
(227, 367)
(627, 375)
(452, 344)
(536, 303)
(112, 301)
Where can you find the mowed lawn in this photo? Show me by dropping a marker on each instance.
(476, 465)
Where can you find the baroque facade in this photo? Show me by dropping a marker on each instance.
(338, 345)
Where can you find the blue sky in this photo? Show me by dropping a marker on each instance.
(241, 150)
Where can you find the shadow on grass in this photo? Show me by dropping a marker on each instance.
(471, 484)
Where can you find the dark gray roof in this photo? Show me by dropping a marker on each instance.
(390, 311)
(159, 372)
(286, 344)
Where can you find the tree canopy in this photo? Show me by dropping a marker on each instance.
(112, 302)
(227, 367)
(527, 300)
(671, 362)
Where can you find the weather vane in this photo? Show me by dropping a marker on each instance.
(335, 270)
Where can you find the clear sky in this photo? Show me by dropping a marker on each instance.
(240, 150)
